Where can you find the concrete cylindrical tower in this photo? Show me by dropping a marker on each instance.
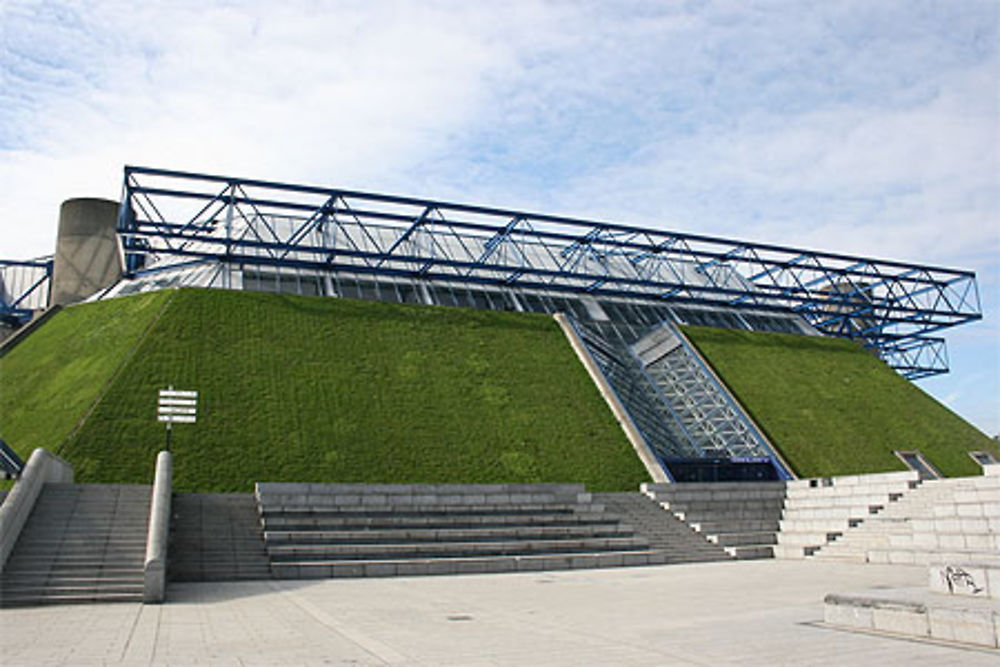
(87, 257)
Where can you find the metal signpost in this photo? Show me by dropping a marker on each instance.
(176, 406)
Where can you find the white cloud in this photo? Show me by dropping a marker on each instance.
(341, 94)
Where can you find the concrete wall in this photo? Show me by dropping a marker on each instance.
(87, 257)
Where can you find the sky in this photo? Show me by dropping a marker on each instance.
(868, 127)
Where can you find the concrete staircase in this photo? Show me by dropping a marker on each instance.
(944, 520)
(818, 512)
(354, 530)
(216, 537)
(81, 543)
(740, 517)
(665, 532)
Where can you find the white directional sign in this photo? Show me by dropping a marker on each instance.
(177, 406)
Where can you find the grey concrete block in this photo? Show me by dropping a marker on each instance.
(633, 559)
(343, 569)
(412, 568)
(380, 569)
(910, 620)
(849, 615)
(963, 625)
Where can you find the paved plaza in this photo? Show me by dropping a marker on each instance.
(751, 612)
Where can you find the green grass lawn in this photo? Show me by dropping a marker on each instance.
(832, 408)
(314, 389)
(50, 381)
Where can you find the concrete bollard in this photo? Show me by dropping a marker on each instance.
(42, 467)
(155, 568)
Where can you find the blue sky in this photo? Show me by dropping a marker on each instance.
(869, 127)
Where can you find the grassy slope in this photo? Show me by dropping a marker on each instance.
(832, 408)
(50, 380)
(311, 389)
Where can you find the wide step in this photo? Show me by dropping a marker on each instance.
(329, 530)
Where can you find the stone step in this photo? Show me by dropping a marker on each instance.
(95, 516)
(821, 525)
(905, 476)
(734, 526)
(945, 541)
(441, 566)
(307, 520)
(388, 551)
(752, 552)
(924, 557)
(72, 595)
(226, 573)
(91, 515)
(808, 538)
(841, 556)
(789, 551)
(332, 489)
(449, 535)
(80, 565)
(401, 495)
(49, 580)
(115, 538)
(744, 539)
(797, 494)
(484, 509)
(207, 546)
(967, 510)
(701, 516)
(955, 524)
(843, 512)
(975, 482)
(853, 500)
(56, 542)
(722, 506)
(104, 555)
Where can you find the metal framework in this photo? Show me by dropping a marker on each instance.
(24, 288)
(171, 217)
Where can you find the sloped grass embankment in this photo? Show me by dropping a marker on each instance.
(313, 389)
(832, 408)
(50, 380)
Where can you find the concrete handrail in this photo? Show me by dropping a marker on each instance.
(43, 466)
(155, 568)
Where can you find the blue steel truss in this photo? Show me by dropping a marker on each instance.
(170, 217)
(24, 288)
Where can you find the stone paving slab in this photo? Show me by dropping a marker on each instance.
(754, 612)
